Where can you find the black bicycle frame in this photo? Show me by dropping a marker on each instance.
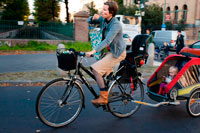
(84, 80)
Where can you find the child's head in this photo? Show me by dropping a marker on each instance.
(165, 43)
(173, 70)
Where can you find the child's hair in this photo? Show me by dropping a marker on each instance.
(173, 68)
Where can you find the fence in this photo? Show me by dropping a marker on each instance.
(36, 30)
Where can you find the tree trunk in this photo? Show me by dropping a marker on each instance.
(53, 10)
(67, 11)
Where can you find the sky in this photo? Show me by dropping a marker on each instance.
(74, 6)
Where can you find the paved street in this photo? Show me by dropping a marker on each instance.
(17, 113)
(17, 107)
(31, 62)
(28, 62)
(34, 62)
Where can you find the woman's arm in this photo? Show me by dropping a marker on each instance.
(114, 30)
(96, 19)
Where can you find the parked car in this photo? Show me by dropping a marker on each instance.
(127, 39)
(129, 29)
(169, 36)
(192, 50)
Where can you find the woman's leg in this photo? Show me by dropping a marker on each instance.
(104, 67)
(103, 98)
(99, 79)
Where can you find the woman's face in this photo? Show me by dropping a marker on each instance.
(105, 12)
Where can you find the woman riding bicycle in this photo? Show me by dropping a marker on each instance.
(112, 39)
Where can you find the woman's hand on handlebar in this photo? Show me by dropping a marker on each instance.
(91, 53)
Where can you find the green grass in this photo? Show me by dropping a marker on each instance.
(43, 46)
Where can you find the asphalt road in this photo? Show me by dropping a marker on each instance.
(17, 115)
(35, 62)
(31, 62)
(28, 62)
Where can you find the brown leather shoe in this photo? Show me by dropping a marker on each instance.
(103, 98)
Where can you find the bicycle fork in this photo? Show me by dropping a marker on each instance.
(66, 94)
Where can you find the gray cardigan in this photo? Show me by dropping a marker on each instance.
(113, 35)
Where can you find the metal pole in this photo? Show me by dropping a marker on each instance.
(163, 22)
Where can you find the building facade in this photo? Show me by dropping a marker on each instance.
(176, 10)
(187, 10)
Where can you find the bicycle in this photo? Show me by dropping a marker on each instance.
(61, 100)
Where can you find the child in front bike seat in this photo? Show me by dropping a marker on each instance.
(113, 41)
(173, 70)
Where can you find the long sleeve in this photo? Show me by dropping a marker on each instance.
(109, 37)
(97, 21)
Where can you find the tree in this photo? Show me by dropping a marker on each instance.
(119, 2)
(46, 10)
(128, 11)
(2, 3)
(67, 9)
(15, 10)
(91, 8)
(153, 15)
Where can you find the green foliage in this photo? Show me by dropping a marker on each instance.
(43, 46)
(169, 25)
(91, 8)
(46, 10)
(181, 25)
(153, 15)
(128, 11)
(15, 10)
(79, 46)
(2, 3)
(119, 2)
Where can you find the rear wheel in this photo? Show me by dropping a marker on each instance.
(51, 106)
(120, 99)
(193, 104)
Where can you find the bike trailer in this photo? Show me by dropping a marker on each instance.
(184, 83)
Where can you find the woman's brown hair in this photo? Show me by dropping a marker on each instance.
(113, 7)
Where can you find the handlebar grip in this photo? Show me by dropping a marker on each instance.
(82, 54)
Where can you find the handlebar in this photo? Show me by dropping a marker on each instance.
(83, 54)
(70, 51)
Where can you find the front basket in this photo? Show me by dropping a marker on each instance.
(67, 60)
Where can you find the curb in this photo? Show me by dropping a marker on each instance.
(23, 83)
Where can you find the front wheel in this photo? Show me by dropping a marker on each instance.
(59, 102)
(193, 104)
(120, 98)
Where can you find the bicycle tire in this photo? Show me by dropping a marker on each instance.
(119, 104)
(48, 105)
(193, 104)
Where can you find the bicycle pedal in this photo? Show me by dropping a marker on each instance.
(114, 94)
(105, 109)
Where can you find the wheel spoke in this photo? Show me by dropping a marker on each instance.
(121, 105)
(50, 107)
(193, 104)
